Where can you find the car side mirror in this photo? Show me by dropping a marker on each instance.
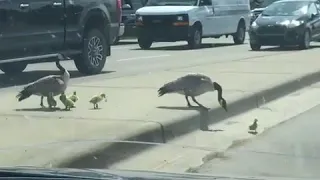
(126, 6)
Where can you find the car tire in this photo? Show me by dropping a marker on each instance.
(305, 40)
(255, 46)
(13, 68)
(94, 53)
(195, 39)
(240, 36)
(145, 42)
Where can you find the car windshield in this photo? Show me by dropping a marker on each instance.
(266, 3)
(286, 8)
(172, 2)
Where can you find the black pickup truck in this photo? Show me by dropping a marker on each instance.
(34, 31)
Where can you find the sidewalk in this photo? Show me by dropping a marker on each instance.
(133, 108)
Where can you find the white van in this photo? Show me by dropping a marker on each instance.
(191, 20)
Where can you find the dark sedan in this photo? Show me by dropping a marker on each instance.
(286, 22)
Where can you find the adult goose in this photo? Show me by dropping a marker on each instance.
(55, 84)
(193, 85)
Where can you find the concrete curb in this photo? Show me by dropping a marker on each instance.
(101, 157)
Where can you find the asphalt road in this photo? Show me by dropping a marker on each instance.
(290, 149)
(128, 59)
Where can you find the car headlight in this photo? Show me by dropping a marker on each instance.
(179, 18)
(292, 23)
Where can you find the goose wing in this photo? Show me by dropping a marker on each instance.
(46, 84)
(192, 81)
(189, 82)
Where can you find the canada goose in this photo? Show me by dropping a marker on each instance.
(96, 99)
(41, 87)
(68, 103)
(74, 97)
(254, 125)
(50, 100)
(193, 85)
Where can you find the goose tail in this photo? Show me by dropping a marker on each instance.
(24, 94)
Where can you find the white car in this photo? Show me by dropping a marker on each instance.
(191, 20)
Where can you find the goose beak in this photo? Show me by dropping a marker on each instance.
(226, 109)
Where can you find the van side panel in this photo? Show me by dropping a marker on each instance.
(230, 12)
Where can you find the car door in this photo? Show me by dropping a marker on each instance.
(205, 14)
(45, 25)
(314, 21)
(13, 29)
(4, 26)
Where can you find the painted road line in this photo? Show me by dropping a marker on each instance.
(143, 57)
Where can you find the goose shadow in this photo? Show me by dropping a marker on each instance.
(204, 116)
(253, 132)
(30, 76)
(39, 109)
(95, 109)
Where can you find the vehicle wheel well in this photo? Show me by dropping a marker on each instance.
(198, 25)
(94, 21)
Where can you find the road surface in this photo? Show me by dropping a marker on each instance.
(290, 149)
(127, 59)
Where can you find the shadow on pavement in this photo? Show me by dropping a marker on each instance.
(122, 42)
(185, 47)
(39, 109)
(30, 76)
(109, 154)
(179, 108)
(286, 48)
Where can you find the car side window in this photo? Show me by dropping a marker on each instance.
(313, 9)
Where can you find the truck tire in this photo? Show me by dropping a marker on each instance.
(13, 68)
(94, 53)
(195, 39)
(255, 46)
(305, 40)
(144, 42)
(240, 36)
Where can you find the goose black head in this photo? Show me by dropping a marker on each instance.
(103, 95)
(255, 121)
(223, 104)
(74, 93)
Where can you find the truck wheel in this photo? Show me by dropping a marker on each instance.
(145, 42)
(255, 46)
(195, 39)
(94, 53)
(240, 36)
(13, 68)
(305, 40)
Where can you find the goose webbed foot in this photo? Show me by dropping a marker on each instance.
(199, 104)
